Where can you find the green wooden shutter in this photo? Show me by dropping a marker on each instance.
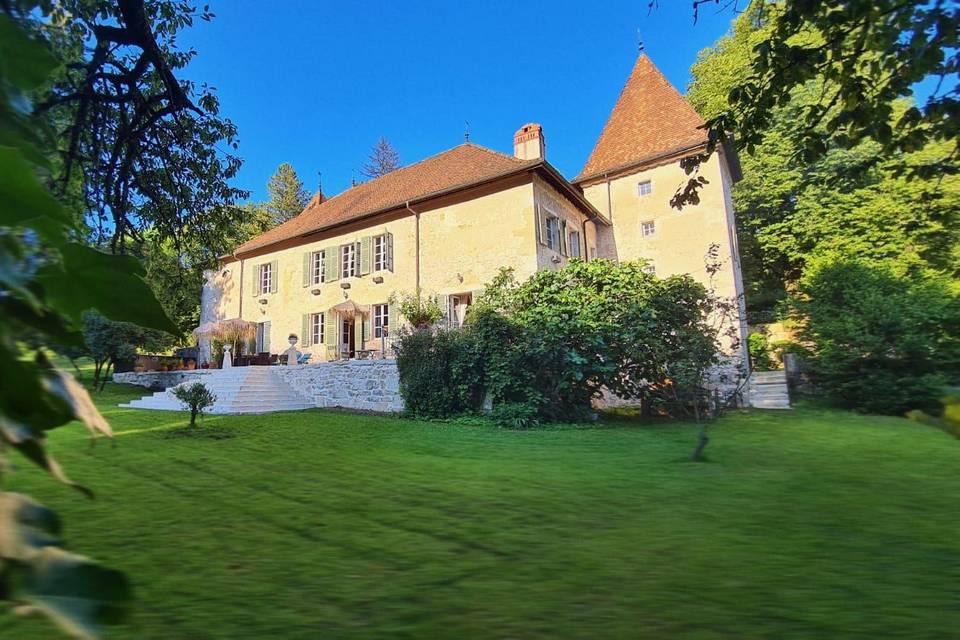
(365, 325)
(389, 241)
(332, 265)
(366, 254)
(307, 270)
(256, 279)
(537, 214)
(305, 333)
(274, 276)
(266, 337)
(393, 323)
(330, 329)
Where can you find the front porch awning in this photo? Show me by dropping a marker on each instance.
(350, 309)
(232, 329)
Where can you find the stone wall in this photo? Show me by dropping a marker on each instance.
(159, 380)
(369, 385)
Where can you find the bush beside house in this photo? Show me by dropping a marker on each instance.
(543, 349)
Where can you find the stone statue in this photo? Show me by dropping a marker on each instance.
(227, 358)
(292, 354)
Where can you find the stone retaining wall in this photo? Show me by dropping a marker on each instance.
(159, 380)
(369, 385)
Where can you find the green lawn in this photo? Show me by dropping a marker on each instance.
(319, 524)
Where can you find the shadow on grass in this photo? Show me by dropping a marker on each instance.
(199, 432)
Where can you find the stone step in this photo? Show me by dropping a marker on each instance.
(762, 403)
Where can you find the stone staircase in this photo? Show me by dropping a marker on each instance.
(768, 390)
(238, 390)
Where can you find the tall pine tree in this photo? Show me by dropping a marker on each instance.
(287, 195)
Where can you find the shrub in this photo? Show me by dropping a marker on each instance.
(440, 375)
(515, 415)
(197, 398)
(759, 348)
(884, 343)
(547, 346)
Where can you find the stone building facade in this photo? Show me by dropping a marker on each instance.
(447, 224)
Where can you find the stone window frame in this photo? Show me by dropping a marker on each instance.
(348, 260)
(648, 228)
(266, 278)
(644, 188)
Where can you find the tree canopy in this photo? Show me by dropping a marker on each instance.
(850, 199)
(137, 148)
(863, 56)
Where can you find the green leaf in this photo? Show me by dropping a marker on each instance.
(25, 203)
(24, 63)
(113, 285)
(76, 593)
(63, 385)
(26, 527)
(79, 595)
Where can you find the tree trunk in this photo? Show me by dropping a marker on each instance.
(193, 417)
(106, 374)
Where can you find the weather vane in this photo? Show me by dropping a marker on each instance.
(639, 41)
(466, 131)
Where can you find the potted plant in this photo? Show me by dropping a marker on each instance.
(421, 311)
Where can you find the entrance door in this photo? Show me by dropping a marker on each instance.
(345, 348)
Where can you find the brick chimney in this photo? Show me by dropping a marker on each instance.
(528, 142)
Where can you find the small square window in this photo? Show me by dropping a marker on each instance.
(648, 228)
(650, 268)
(644, 188)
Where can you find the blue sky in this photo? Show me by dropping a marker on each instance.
(317, 83)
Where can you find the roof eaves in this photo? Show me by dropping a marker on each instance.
(637, 163)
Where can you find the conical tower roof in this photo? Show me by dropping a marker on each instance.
(650, 119)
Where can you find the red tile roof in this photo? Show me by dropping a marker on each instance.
(459, 167)
(650, 119)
